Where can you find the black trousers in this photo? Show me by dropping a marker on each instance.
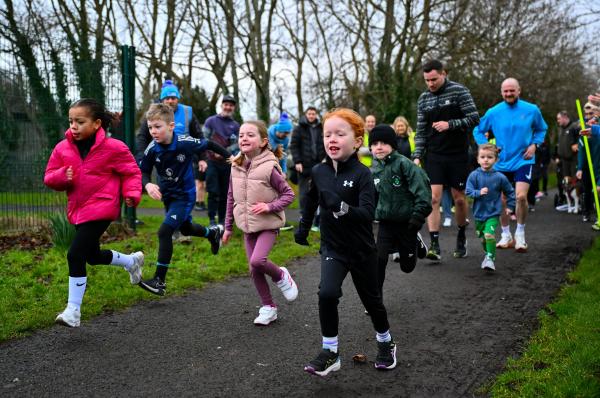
(364, 276)
(85, 247)
(391, 238)
(217, 185)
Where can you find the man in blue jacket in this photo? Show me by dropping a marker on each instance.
(519, 129)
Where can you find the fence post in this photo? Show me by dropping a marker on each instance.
(128, 73)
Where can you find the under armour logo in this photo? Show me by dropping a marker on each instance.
(348, 183)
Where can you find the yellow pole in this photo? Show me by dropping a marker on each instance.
(589, 159)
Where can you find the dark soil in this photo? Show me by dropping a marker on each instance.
(454, 324)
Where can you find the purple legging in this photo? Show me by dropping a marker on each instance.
(258, 246)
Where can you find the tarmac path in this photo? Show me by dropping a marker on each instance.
(454, 325)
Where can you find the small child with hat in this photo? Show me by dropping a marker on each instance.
(403, 202)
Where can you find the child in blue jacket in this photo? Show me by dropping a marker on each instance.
(486, 186)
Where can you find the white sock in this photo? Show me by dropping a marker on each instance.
(124, 260)
(520, 229)
(76, 291)
(384, 337)
(506, 230)
(330, 343)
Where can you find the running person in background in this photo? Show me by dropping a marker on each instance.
(405, 137)
(95, 171)
(364, 153)
(172, 156)
(258, 194)
(519, 129)
(222, 130)
(486, 186)
(583, 168)
(344, 189)
(446, 114)
(279, 137)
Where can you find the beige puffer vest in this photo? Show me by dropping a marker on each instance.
(252, 186)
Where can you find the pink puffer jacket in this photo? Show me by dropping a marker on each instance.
(108, 172)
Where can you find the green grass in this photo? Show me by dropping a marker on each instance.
(34, 284)
(562, 359)
(36, 198)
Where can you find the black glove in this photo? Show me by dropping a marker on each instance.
(414, 225)
(331, 200)
(300, 236)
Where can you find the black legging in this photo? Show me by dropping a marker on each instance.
(364, 276)
(165, 239)
(85, 247)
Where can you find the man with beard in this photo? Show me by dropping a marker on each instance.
(307, 150)
(519, 129)
(223, 130)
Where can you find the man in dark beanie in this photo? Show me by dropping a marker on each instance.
(403, 202)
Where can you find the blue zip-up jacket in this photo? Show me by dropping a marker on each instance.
(594, 143)
(489, 205)
(173, 164)
(183, 118)
(274, 141)
(515, 127)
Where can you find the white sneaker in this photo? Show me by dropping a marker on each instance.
(447, 222)
(135, 271)
(70, 317)
(506, 241)
(488, 264)
(288, 286)
(266, 315)
(520, 245)
(562, 208)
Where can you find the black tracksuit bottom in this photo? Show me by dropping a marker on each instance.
(364, 276)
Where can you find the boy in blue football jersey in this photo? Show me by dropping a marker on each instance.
(172, 156)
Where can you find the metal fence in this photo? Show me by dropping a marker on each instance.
(26, 143)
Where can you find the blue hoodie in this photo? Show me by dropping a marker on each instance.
(515, 127)
(489, 205)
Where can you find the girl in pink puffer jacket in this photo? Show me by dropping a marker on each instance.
(95, 171)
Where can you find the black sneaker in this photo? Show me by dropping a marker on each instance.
(155, 286)
(214, 237)
(434, 252)
(200, 206)
(386, 355)
(461, 247)
(585, 218)
(421, 247)
(324, 363)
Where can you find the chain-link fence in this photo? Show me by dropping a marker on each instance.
(28, 132)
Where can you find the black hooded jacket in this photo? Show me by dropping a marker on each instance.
(303, 148)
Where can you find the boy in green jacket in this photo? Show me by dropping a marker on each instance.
(403, 202)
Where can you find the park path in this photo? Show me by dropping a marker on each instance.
(454, 325)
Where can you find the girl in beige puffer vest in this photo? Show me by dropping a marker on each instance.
(258, 194)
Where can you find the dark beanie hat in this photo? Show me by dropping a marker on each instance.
(384, 133)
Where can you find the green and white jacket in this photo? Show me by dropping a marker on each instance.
(403, 190)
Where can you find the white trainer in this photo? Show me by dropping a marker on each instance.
(447, 222)
(135, 271)
(70, 317)
(520, 245)
(506, 241)
(488, 264)
(288, 287)
(266, 315)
